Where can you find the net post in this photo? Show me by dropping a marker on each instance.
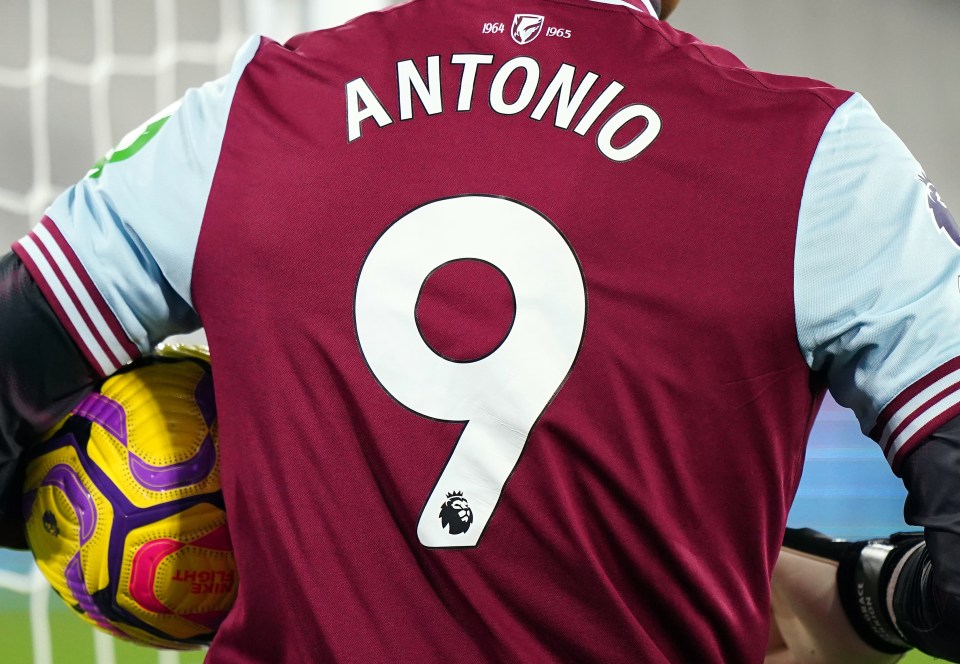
(168, 657)
(103, 648)
(277, 19)
(320, 14)
(40, 618)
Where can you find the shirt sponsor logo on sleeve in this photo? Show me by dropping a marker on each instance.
(941, 214)
(135, 141)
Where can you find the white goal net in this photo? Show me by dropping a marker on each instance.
(75, 76)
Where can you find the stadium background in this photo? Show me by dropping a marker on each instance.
(75, 75)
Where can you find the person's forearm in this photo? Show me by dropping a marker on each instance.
(809, 625)
(42, 376)
(903, 591)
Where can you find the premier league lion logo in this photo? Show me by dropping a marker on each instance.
(941, 214)
(526, 28)
(456, 514)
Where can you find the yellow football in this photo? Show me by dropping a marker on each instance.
(123, 506)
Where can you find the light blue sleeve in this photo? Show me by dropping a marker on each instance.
(126, 235)
(876, 282)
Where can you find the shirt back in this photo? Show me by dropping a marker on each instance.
(608, 482)
(517, 332)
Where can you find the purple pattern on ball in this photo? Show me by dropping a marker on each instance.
(107, 413)
(78, 588)
(110, 415)
(112, 418)
(127, 518)
(66, 479)
(204, 397)
(165, 478)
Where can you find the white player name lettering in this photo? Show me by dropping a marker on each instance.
(562, 97)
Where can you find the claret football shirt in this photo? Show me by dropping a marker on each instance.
(520, 314)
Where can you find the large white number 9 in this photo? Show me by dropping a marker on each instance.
(501, 396)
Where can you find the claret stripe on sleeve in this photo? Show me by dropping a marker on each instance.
(74, 297)
(918, 411)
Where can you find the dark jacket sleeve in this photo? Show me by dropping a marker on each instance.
(42, 376)
(927, 591)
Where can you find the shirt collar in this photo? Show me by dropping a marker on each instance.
(642, 5)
